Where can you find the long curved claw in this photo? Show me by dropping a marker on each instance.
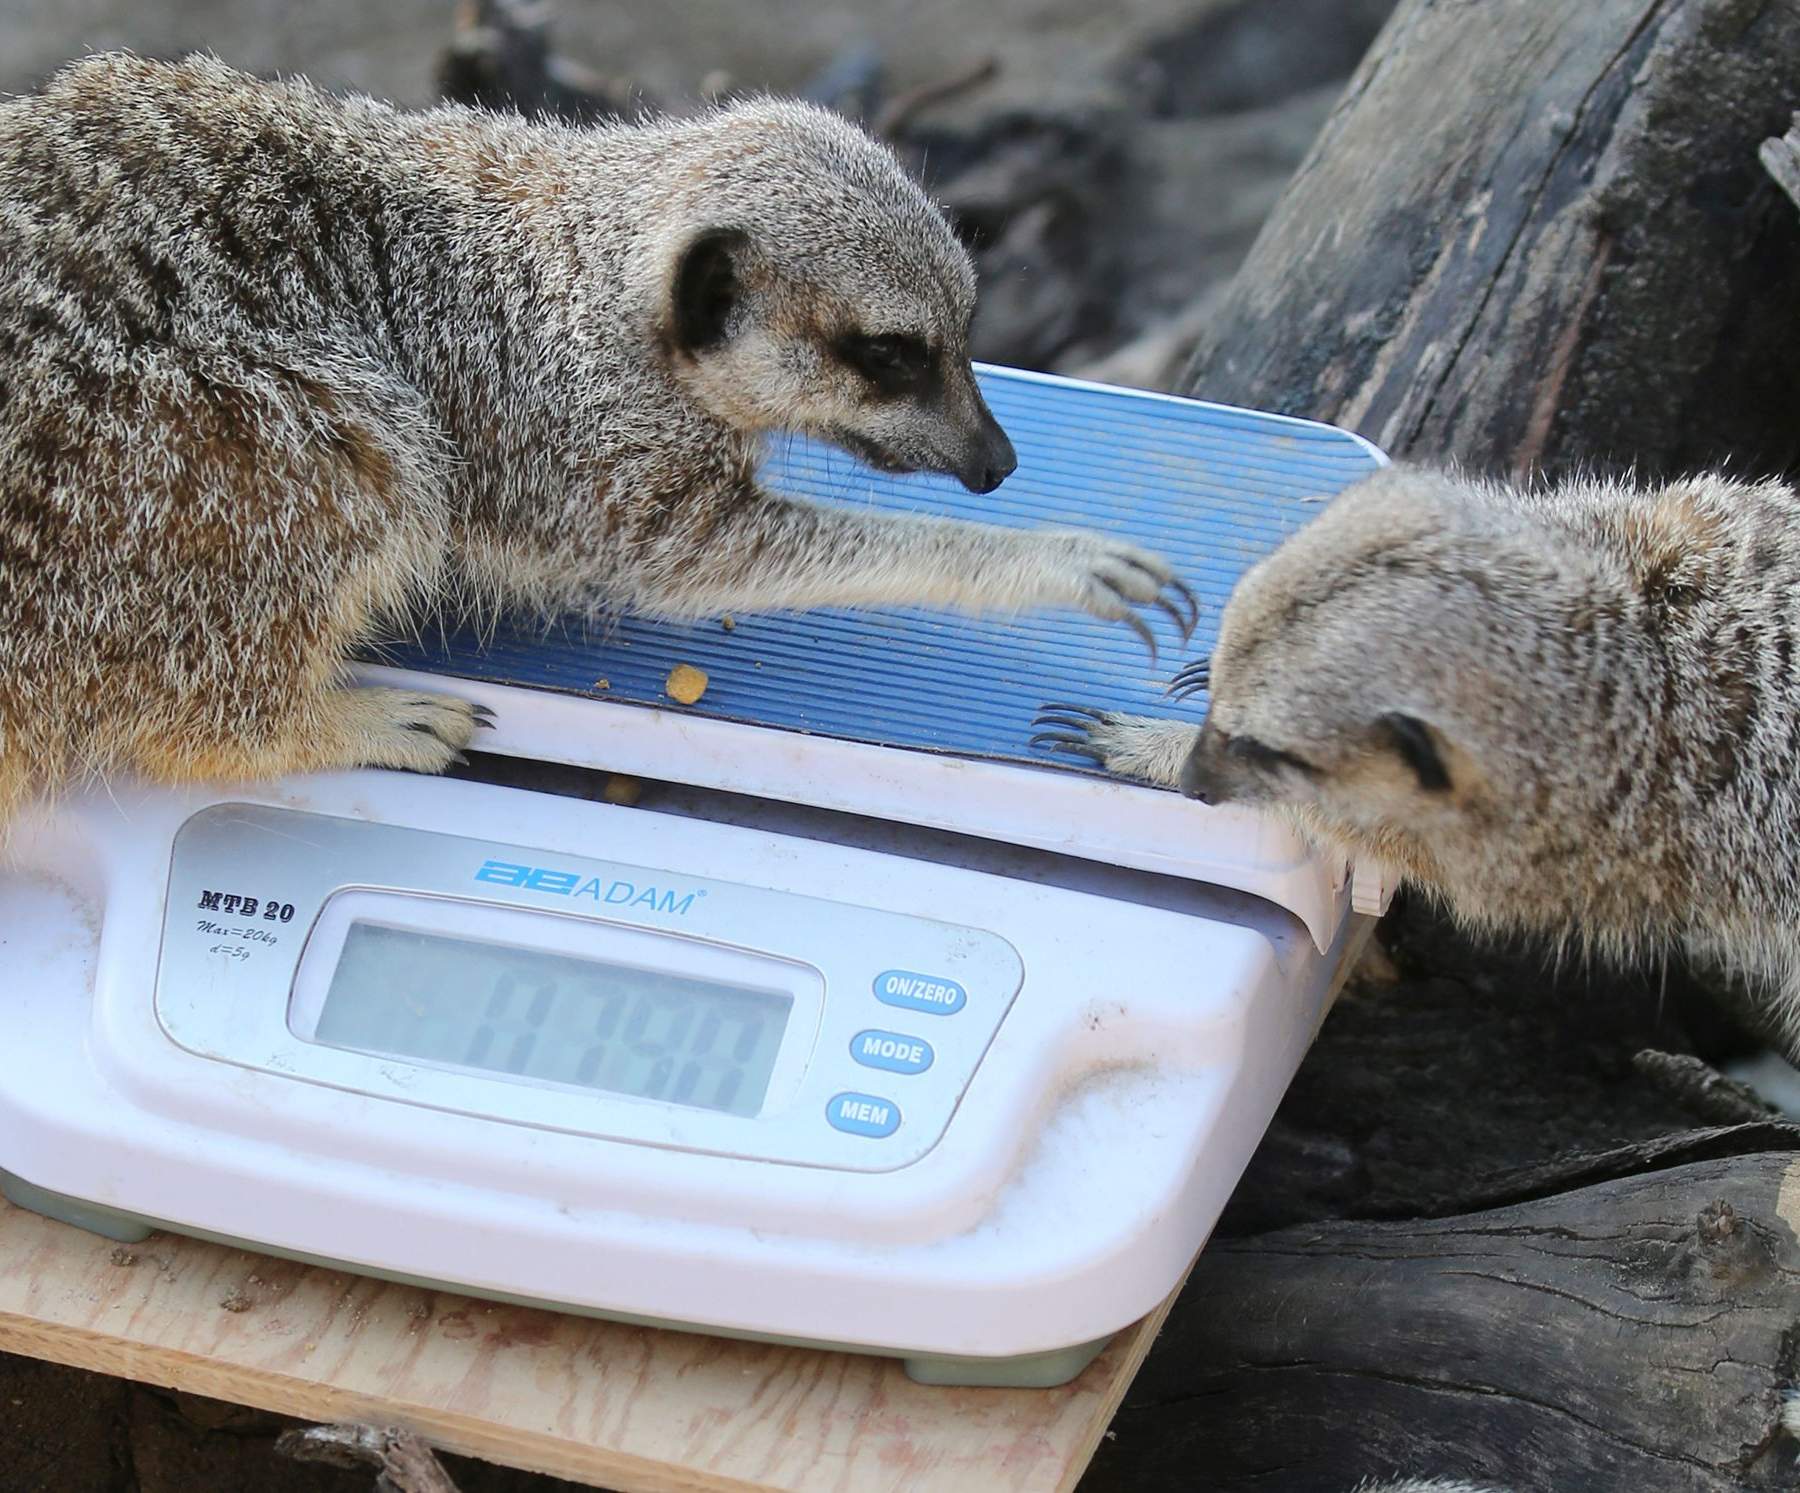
(1186, 593)
(1055, 707)
(1191, 679)
(1066, 723)
(1176, 615)
(1142, 628)
(1073, 742)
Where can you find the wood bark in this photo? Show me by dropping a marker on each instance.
(1535, 234)
(1633, 1337)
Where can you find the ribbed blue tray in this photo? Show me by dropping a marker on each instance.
(1212, 488)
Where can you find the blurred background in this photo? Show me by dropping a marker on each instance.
(1109, 163)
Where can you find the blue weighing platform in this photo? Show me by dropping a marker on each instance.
(1211, 488)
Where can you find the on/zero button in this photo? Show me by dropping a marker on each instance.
(916, 992)
(863, 1114)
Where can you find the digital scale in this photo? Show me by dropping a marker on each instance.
(871, 1030)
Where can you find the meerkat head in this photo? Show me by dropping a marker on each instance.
(1531, 701)
(1335, 688)
(814, 288)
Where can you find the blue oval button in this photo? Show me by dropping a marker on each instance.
(890, 1050)
(916, 992)
(864, 1114)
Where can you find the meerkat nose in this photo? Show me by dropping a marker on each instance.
(1197, 777)
(1194, 779)
(991, 462)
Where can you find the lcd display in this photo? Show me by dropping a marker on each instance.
(466, 1003)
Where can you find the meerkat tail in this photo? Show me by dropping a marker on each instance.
(774, 553)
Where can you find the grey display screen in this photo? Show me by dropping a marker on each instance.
(471, 1004)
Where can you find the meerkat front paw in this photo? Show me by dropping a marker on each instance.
(1139, 747)
(400, 728)
(1107, 578)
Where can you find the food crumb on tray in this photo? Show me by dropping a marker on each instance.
(685, 684)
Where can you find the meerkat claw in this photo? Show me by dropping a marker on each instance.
(1191, 679)
(1069, 718)
(1142, 628)
(1186, 593)
(1176, 615)
(483, 716)
(1076, 745)
(1053, 707)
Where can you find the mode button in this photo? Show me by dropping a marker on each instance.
(892, 1051)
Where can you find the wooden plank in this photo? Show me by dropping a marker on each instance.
(618, 1407)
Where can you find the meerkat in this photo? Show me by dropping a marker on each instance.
(279, 368)
(1569, 710)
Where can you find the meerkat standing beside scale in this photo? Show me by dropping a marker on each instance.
(1570, 710)
(276, 368)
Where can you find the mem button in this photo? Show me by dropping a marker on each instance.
(863, 1114)
(916, 992)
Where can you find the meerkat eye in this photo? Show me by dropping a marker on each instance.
(893, 362)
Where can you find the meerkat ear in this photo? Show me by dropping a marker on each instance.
(708, 282)
(1416, 744)
(1668, 541)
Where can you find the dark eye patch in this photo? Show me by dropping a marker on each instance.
(1261, 754)
(893, 362)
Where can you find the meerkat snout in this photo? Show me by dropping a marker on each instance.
(851, 325)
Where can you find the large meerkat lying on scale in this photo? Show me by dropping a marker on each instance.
(276, 367)
(1571, 711)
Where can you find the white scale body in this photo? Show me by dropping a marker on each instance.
(941, 1057)
(976, 1107)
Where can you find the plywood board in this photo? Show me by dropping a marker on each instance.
(618, 1407)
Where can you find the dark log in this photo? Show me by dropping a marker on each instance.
(1634, 1337)
(1535, 234)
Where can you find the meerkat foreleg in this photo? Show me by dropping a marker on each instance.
(1140, 747)
(327, 730)
(772, 553)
